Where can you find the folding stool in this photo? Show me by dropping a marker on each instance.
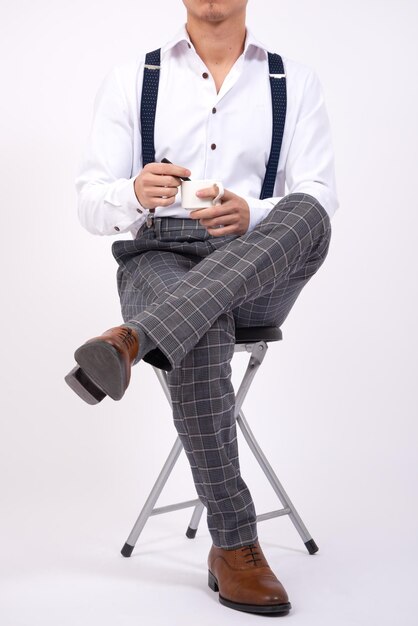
(253, 340)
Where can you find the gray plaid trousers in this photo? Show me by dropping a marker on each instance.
(186, 290)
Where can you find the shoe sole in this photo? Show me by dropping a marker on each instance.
(102, 363)
(261, 609)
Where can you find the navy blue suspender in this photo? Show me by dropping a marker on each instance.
(149, 104)
(279, 103)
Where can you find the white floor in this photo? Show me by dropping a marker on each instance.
(59, 571)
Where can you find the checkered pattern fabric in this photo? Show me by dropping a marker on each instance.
(186, 290)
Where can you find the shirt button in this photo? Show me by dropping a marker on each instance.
(205, 75)
(139, 210)
(117, 228)
(214, 110)
(213, 146)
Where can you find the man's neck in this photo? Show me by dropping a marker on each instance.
(217, 44)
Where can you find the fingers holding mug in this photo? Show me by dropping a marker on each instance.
(200, 194)
(213, 193)
(219, 190)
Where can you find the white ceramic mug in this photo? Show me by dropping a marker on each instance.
(189, 199)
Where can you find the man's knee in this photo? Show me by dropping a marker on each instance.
(302, 218)
(301, 205)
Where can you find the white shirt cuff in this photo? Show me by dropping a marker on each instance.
(124, 204)
(259, 209)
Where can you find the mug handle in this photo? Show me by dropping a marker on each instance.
(220, 194)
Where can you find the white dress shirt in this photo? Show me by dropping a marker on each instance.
(224, 136)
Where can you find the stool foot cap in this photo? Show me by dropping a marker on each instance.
(311, 546)
(127, 550)
(191, 532)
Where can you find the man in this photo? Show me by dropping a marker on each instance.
(187, 279)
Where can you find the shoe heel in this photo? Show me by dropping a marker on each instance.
(212, 582)
(81, 384)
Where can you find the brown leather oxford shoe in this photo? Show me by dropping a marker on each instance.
(104, 365)
(245, 581)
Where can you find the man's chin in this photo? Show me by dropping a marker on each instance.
(214, 16)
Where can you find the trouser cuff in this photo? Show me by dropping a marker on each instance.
(148, 351)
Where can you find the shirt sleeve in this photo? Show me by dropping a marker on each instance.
(107, 203)
(309, 165)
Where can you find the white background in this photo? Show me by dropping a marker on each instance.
(335, 403)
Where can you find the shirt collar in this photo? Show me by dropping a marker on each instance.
(251, 41)
(182, 38)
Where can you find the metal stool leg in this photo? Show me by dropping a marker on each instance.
(149, 507)
(152, 498)
(194, 522)
(197, 513)
(258, 352)
(288, 507)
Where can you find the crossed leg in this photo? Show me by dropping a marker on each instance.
(183, 291)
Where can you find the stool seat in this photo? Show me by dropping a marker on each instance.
(253, 334)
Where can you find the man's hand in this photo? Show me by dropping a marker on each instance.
(232, 217)
(158, 183)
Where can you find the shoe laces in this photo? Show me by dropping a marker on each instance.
(251, 551)
(128, 336)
